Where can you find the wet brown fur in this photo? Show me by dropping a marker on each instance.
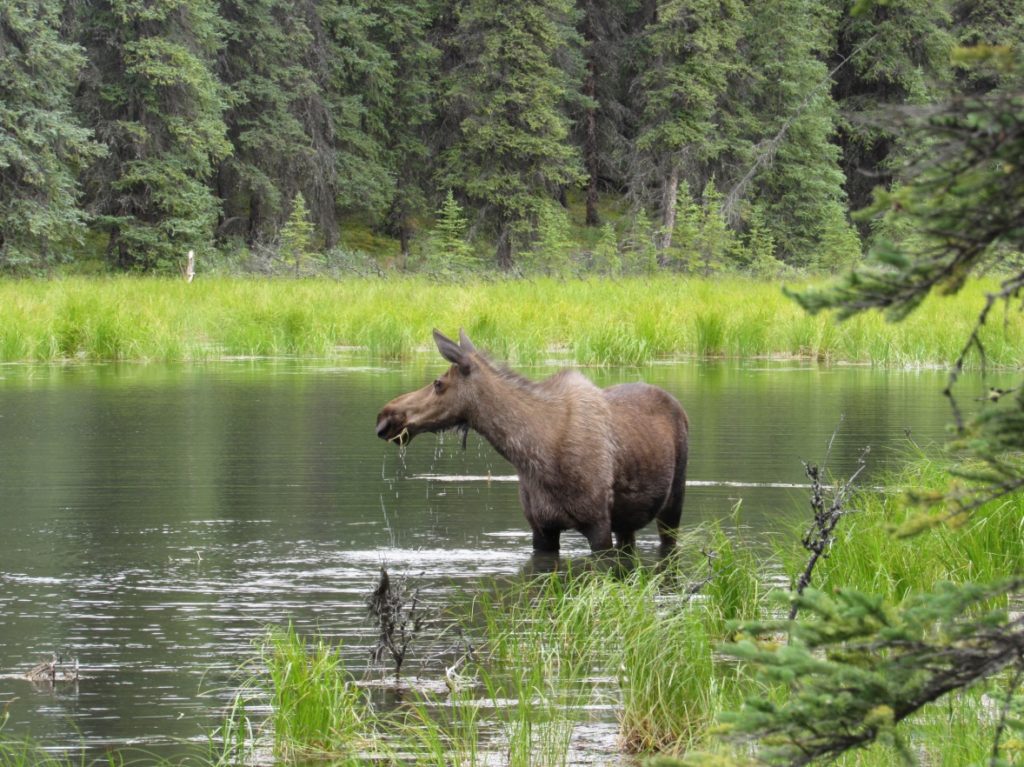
(600, 461)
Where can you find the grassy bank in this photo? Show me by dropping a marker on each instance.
(637, 645)
(626, 321)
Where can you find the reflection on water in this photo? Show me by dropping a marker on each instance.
(157, 518)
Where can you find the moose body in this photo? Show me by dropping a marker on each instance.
(600, 461)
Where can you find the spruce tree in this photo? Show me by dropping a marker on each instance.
(686, 233)
(601, 119)
(759, 246)
(448, 250)
(606, 259)
(690, 47)
(716, 242)
(518, 72)
(158, 107)
(885, 54)
(297, 235)
(640, 252)
(794, 170)
(404, 27)
(855, 666)
(279, 139)
(311, 84)
(550, 251)
(985, 23)
(357, 77)
(42, 144)
(988, 22)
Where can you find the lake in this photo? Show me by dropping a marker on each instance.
(157, 518)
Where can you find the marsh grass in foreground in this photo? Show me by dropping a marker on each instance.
(592, 322)
(637, 643)
(642, 642)
(315, 706)
(550, 651)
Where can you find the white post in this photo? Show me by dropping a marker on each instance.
(190, 269)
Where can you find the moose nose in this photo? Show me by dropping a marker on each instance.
(383, 423)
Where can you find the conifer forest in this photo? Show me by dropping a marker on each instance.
(694, 135)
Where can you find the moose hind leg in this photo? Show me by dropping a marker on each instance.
(598, 535)
(668, 517)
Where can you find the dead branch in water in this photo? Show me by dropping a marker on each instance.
(398, 619)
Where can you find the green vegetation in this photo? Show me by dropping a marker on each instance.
(861, 661)
(153, 97)
(646, 642)
(44, 147)
(638, 647)
(133, 132)
(628, 321)
(315, 706)
(547, 650)
(985, 547)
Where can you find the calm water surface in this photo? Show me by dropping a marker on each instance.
(156, 519)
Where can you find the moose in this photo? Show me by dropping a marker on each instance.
(600, 461)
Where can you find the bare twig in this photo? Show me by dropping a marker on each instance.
(820, 535)
(695, 588)
(398, 622)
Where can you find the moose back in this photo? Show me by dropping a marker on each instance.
(600, 461)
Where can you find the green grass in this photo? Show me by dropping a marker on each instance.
(611, 635)
(547, 650)
(592, 322)
(868, 556)
(316, 707)
(956, 732)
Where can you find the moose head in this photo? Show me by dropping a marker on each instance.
(445, 403)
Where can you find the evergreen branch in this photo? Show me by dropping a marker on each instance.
(961, 199)
(879, 666)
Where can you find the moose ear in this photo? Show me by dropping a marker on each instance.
(465, 343)
(451, 351)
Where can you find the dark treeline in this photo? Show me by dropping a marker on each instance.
(710, 133)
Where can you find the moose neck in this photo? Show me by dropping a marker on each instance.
(515, 416)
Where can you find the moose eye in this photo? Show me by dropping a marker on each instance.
(438, 386)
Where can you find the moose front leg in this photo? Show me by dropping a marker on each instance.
(625, 540)
(545, 538)
(597, 520)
